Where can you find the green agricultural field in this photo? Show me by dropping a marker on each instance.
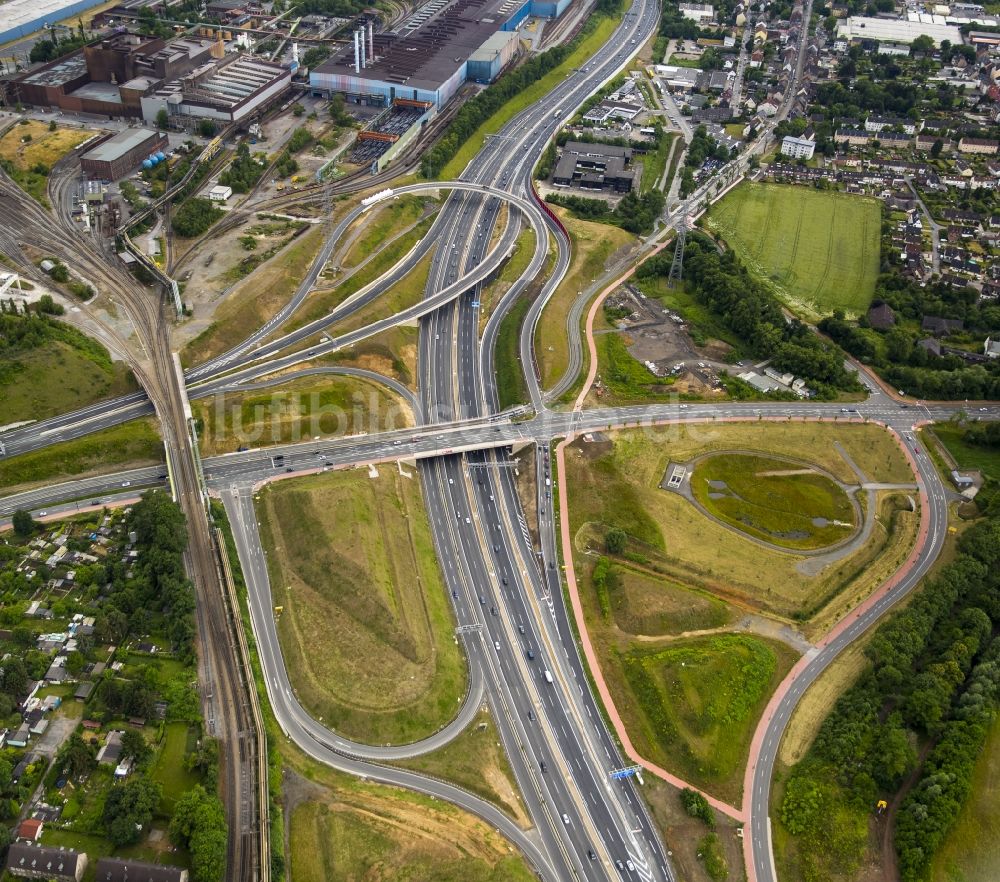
(695, 702)
(366, 627)
(820, 249)
(771, 499)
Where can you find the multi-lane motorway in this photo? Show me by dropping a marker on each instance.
(507, 594)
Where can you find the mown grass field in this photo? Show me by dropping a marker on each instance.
(819, 248)
(765, 499)
(43, 149)
(178, 739)
(593, 246)
(616, 484)
(695, 702)
(132, 444)
(366, 629)
(328, 406)
(57, 377)
(968, 456)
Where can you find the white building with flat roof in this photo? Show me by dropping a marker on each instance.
(896, 30)
(797, 148)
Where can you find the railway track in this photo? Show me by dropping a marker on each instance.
(226, 698)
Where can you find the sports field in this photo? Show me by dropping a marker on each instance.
(819, 249)
(775, 500)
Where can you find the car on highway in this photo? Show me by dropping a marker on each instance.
(565, 819)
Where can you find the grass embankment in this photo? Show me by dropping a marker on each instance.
(328, 406)
(535, 93)
(29, 161)
(765, 498)
(476, 761)
(594, 245)
(386, 221)
(408, 290)
(392, 353)
(130, 445)
(693, 704)
(255, 299)
(366, 629)
(524, 248)
(968, 456)
(512, 388)
(616, 484)
(350, 828)
(53, 370)
(820, 249)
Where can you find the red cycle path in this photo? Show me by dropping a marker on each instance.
(743, 814)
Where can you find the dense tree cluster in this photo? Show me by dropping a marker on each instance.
(753, 313)
(195, 216)
(895, 353)
(244, 171)
(634, 213)
(129, 809)
(199, 824)
(933, 678)
(697, 806)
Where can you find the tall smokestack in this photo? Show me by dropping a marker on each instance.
(371, 41)
(357, 54)
(364, 60)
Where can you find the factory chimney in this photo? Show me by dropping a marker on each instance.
(364, 59)
(371, 42)
(295, 52)
(357, 54)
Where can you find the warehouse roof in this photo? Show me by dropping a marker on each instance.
(118, 145)
(17, 13)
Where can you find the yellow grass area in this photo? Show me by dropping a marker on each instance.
(392, 353)
(367, 627)
(617, 485)
(255, 299)
(594, 246)
(45, 146)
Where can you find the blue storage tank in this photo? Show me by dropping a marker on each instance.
(147, 164)
(159, 156)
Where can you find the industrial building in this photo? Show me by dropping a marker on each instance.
(428, 58)
(109, 76)
(897, 30)
(594, 167)
(228, 91)
(119, 155)
(23, 17)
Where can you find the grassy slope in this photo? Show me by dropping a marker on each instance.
(968, 456)
(619, 487)
(57, 377)
(135, 443)
(593, 245)
(387, 220)
(302, 409)
(772, 507)
(538, 90)
(366, 627)
(819, 248)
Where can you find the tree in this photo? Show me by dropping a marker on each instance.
(24, 524)
(77, 757)
(199, 824)
(921, 45)
(129, 808)
(937, 147)
(614, 540)
(697, 806)
(135, 746)
(206, 128)
(162, 118)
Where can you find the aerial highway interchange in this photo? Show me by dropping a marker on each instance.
(508, 599)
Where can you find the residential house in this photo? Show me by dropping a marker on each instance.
(981, 146)
(991, 348)
(26, 860)
(941, 327)
(30, 829)
(881, 317)
(118, 870)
